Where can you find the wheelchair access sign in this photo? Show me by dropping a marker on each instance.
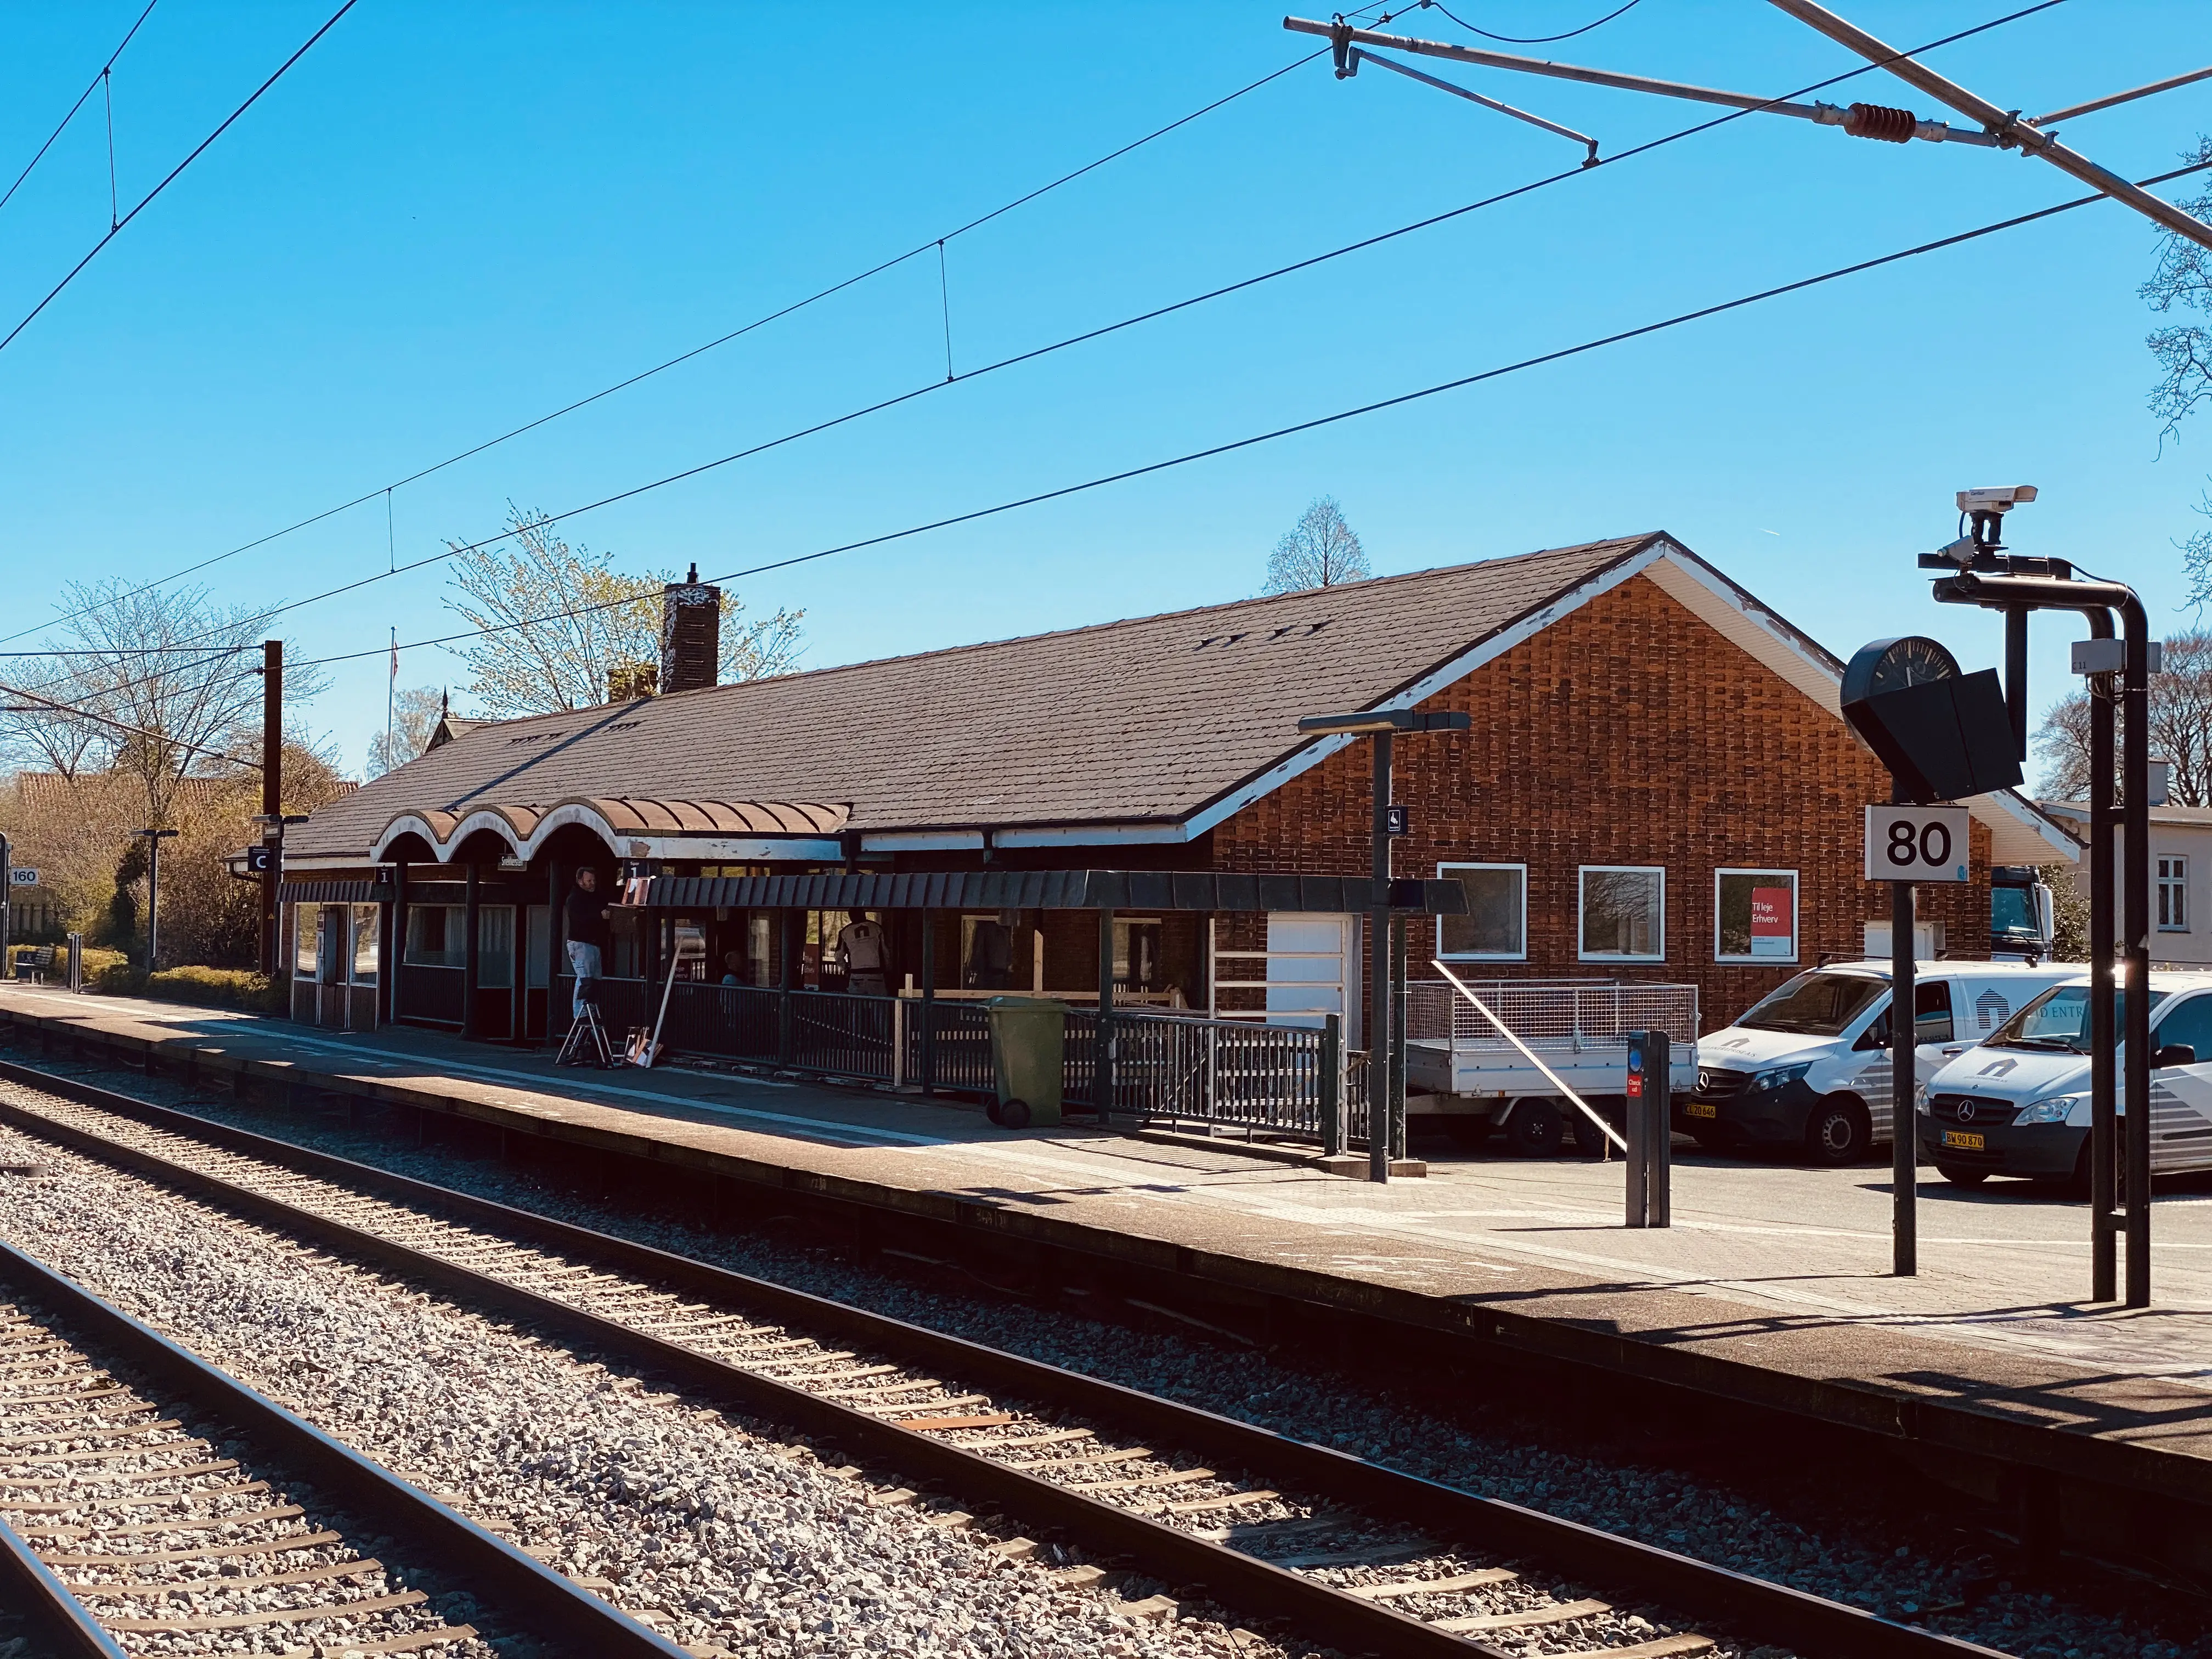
(1916, 843)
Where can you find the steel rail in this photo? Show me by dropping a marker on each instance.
(29, 1589)
(512, 1584)
(1771, 1612)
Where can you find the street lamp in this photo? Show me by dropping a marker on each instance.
(1386, 930)
(154, 840)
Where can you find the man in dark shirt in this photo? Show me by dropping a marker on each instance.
(587, 918)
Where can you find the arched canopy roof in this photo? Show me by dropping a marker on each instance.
(630, 827)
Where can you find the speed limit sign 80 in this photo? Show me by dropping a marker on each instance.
(1916, 843)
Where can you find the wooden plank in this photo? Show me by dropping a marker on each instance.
(280, 1616)
(929, 1425)
(1559, 1613)
(1663, 1648)
(1460, 1581)
(297, 1576)
(1170, 1478)
(297, 1541)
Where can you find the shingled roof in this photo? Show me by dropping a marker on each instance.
(1160, 723)
(1143, 721)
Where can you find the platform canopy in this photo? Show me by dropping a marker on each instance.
(1053, 890)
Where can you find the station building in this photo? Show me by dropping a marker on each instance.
(1657, 785)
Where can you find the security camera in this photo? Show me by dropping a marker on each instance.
(1999, 499)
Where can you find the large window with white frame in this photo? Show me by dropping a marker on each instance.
(1622, 911)
(2174, 896)
(1755, 916)
(1495, 925)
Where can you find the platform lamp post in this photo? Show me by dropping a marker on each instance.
(154, 840)
(1385, 957)
(1979, 572)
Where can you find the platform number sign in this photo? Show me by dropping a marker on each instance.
(1916, 843)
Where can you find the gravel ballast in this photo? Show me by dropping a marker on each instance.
(717, 1536)
(1798, 1531)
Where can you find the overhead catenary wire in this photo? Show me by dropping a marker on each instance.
(759, 323)
(198, 149)
(1530, 39)
(174, 742)
(94, 85)
(1319, 421)
(1580, 170)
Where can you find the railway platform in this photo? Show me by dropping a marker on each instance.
(1770, 1293)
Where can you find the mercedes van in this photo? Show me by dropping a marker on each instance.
(2017, 1103)
(1809, 1066)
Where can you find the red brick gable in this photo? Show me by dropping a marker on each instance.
(1628, 732)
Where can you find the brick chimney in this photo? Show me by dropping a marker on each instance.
(690, 633)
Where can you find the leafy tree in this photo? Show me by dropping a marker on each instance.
(1319, 552)
(561, 622)
(2180, 728)
(415, 714)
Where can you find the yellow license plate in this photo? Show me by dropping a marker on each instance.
(1701, 1108)
(1961, 1140)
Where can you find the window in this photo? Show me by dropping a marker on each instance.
(1818, 1004)
(1624, 913)
(306, 919)
(1755, 916)
(2189, 1021)
(1495, 925)
(1137, 955)
(2174, 896)
(435, 935)
(494, 946)
(1931, 1018)
(365, 919)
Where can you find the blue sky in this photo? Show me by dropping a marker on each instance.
(447, 220)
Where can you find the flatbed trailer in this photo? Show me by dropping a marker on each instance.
(1462, 1072)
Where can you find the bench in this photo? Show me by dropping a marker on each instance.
(32, 965)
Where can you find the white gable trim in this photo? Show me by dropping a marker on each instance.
(2019, 834)
(1458, 668)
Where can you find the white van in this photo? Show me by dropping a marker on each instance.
(1809, 1066)
(2018, 1102)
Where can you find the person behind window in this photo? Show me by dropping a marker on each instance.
(865, 949)
(731, 961)
(587, 918)
(990, 957)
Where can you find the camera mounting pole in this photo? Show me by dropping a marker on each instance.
(1984, 576)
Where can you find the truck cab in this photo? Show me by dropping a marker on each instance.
(2022, 918)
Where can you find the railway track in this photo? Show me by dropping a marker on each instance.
(1324, 1546)
(154, 1505)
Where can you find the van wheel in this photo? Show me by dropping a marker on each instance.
(1589, 1140)
(1837, 1132)
(1534, 1128)
(1958, 1177)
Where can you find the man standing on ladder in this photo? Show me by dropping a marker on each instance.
(586, 920)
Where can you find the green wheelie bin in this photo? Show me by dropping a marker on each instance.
(1029, 1037)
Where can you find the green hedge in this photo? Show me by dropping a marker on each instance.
(209, 987)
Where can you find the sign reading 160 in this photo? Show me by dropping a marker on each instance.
(1916, 843)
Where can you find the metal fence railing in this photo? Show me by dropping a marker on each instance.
(1563, 1015)
(1220, 1073)
(1216, 1074)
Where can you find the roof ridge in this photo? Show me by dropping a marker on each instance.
(1622, 542)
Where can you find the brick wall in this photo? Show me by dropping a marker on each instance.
(1627, 734)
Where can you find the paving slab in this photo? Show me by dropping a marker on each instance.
(1770, 1272)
